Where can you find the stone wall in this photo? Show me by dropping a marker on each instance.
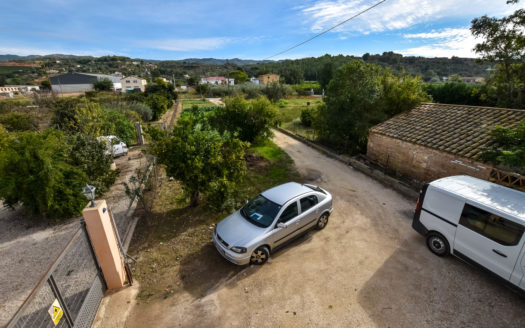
(420, 163)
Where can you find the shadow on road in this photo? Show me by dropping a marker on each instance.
(205, 271)
(414, 288)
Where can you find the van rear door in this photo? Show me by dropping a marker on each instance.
(489, 240)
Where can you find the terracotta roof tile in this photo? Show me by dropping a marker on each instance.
(456, 129)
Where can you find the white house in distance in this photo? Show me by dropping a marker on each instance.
(217, 80)
(132, 83)
(254, 80)
(80, 82)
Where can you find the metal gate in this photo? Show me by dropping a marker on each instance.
(74, 282)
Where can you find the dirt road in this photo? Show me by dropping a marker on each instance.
(367, 268)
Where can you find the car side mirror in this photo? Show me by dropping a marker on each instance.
(281, 225)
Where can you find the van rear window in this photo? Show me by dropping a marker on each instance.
(492, 226)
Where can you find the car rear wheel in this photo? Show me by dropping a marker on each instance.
(260, 255)
(437, 244)
(322, 221)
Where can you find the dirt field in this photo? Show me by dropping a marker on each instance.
(367, 268)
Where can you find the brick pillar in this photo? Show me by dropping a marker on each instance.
(105, 243)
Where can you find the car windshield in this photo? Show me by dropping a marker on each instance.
(260, 211)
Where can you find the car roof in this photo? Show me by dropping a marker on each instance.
(491, 195)
(283, 193)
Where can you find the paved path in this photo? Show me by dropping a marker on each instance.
(367, 268)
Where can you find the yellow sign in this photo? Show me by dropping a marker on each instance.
(55, 311)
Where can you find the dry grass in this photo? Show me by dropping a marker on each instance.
(173, 243)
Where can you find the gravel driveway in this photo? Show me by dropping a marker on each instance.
(367, 268)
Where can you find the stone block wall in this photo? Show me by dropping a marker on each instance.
(420, 163)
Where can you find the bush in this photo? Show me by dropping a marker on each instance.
(307, 116)
(305, 89)
(249, 119)
(7, 105)
(104, 84)
(275, 91)
(14, 122)
(508, 148)
(115, 123)
(35, 172)
(202, 159)
(87, 153)
(158, 104)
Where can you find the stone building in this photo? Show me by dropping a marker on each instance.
(438, 140)
(268, 78)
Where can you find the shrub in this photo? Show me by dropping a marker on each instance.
(7, 105)
(104, 84)
(34, 172)
(202, 159)
(508, 148)
(158, 104)
(19, 122)
(87, 153)
(307, 116)
(249, 119)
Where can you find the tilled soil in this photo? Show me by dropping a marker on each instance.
(367, 268)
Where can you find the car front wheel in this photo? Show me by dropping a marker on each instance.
(322, 221)
(260, 255)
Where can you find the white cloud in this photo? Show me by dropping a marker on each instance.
(395, 14)
(184, 45)
(447, 42)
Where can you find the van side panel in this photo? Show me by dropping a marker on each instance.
(443, 205)
(433, 223)
(518, 275)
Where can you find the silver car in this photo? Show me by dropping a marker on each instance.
(269, 220)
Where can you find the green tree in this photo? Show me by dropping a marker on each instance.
(508, 147)
(274, 91)
(87, 153)
(45, 85)
(251, 120)
(503, 43)
(327, 72)
(116, 123)
(104, 84)
(34, 172)
(158, 104)
(307, 116)
(359, 96)
(202, 159)
(239, 76)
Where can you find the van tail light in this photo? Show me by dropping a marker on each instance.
(419, 202)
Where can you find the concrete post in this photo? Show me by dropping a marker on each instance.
(105, 243)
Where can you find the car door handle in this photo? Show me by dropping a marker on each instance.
(499, 253)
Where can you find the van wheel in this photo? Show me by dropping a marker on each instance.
(437, 244)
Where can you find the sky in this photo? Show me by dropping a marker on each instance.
(164, 29)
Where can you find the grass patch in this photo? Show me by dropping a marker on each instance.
(290, 109)
(173, 244)
(198, 102)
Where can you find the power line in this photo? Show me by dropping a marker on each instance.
(326, 31)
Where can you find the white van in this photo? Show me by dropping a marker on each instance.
(476, 220)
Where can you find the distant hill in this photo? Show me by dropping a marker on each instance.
(8, 57)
